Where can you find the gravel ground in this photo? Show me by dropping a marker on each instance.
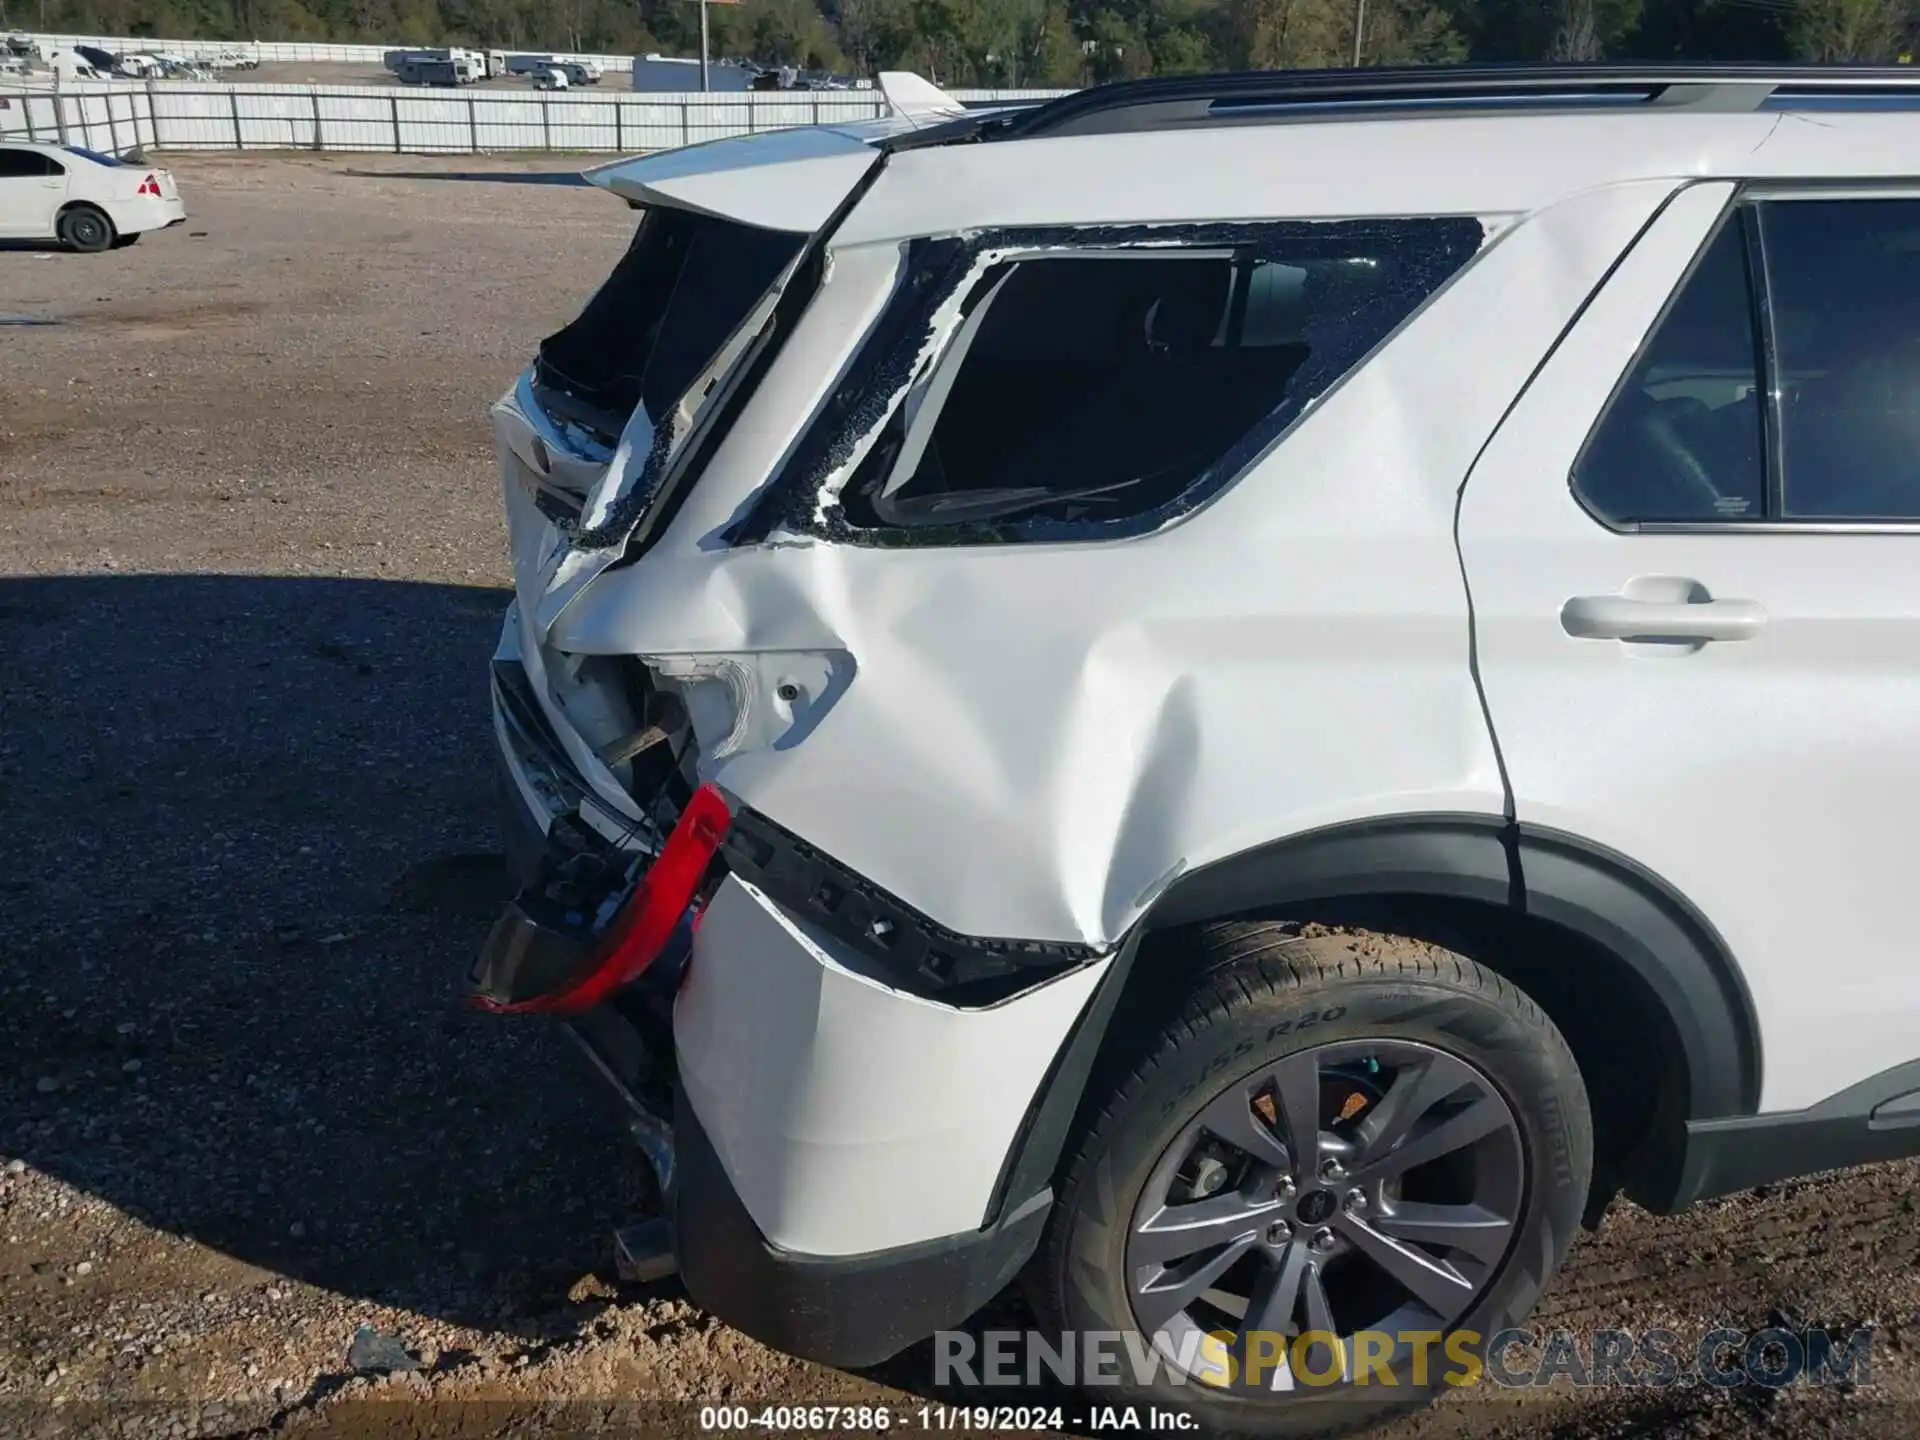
(250, 570)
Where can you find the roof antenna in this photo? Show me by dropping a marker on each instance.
(915, 99)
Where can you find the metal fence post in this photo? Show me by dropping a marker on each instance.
(753, 110)
(313, 94)
(393, 103)
(686, 121)
(816, 107)
(473, 129)
(26, 103)
(233, 99)
(153, 118)
(546, 123)
(619, 132)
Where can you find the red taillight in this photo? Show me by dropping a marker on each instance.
(644, 925)
(149, 186)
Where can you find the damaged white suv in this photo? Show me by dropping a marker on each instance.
(1245, 695)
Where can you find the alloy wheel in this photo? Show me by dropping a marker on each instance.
(1370, 1185)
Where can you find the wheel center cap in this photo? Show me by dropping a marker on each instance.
(1316, 1207)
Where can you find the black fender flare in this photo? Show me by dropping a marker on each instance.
(1576, 885)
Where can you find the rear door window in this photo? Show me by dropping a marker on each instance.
(1843, 285)
(1783, 382)
(1682, 438)
(26, 164)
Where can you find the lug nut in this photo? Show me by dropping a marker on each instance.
(1356, 1200)
(1283, 1190)
(1279, 1233)
(1322, 1240)
(1332, 1170)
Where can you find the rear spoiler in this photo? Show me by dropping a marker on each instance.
(789, 180)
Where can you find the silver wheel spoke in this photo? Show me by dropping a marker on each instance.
(1319, 1312)
(1177, 1231)
(1232, 1119)
(1277, 1296)
(1434, 1283)
(1155, 1302)
(1472, 1228)
(1481, 1117)
(1416, 1089)
(1296, 1083)
(1320, 1318)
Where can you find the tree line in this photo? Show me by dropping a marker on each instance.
(1045, 43)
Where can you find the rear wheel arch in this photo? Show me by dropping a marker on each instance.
(85, 226)
(1640, 982)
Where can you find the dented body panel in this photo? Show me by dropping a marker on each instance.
(1045, 736)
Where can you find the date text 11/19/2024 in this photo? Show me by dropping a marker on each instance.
(959, 1419)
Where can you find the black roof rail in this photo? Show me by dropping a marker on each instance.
(1177, 101)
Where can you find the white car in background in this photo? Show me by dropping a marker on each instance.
(85, 200)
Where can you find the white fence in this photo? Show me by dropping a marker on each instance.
(169, 116)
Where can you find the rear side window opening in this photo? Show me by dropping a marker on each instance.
(1075, 384)
(686, 283)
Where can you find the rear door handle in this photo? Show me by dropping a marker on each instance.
(1617, 617)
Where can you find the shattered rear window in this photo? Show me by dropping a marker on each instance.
(1081, 384)
(684, 285)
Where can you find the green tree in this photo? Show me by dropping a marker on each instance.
(1825, 31)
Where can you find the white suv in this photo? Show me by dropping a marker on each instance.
(1251, 695)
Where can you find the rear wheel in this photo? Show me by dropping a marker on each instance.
(85, 228)
(1344, 1143)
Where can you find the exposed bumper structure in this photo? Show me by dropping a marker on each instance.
(834, 1192)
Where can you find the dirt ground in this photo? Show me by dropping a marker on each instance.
(250, 572)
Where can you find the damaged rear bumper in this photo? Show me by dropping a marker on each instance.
(833, 1192)
(842, 1310)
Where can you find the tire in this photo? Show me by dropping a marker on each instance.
(86, 229)
(1280, 1014)
(120, 242)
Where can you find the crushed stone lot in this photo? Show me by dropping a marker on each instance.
(251, 569)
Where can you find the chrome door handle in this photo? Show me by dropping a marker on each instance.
(1617, 617)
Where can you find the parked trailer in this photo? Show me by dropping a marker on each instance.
(428, 72)
(468, 65)
(671, 74)
(578, 72)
